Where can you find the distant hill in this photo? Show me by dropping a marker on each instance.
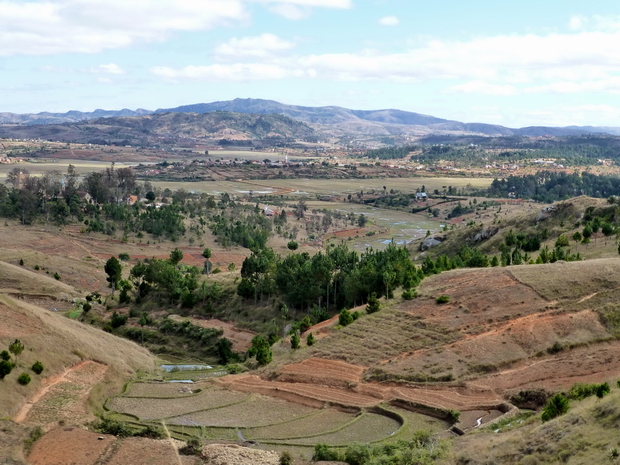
(334, 120)
(68, 117)
(152, 129)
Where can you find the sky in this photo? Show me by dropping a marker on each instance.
(526, 63)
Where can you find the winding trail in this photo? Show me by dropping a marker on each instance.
(48, 384)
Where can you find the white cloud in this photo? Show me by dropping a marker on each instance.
(110, 68)
(261, 46)
(595, 23)
(235, 72)
(481, 87)
(588, 61)
(292, 12)
(389, 21)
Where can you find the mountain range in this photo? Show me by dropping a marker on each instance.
(338, 121)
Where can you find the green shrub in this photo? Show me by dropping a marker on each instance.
(4, 355)
(443, 299)
(345, 318)
(286, 458)
(5, 368)
(323, 452)
(108, 425)
(34, 436)
(124, 256)
(150, 432)
(216, 271)
(118, 320)
(56, 276)
(357, 454)
(21, 262)
(555, 348)
(37, 367)
(23, 379)
(373, 305)
(310, 340)
(409, 294)
(192, 447)
(556, 406)
(37, 267)
(295, 340)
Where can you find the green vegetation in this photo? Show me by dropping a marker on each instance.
(443, 299)
(37, 367)
(422, 449)
(556, 406)
(23, 379)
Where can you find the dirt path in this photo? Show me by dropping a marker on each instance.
(172, 444)
(51, 382)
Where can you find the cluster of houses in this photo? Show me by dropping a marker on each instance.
(7, 159)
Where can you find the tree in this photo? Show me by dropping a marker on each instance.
(224, 350)
(16, 348)
(176, 256)
(345, 318)
(23, 379)
(292, 245)
(362, 220)
(5, 368)
(206, 253)
(295, 340)
(373, 305)
(37, 367)
(310, 340)
(114, 270)
(261, 350)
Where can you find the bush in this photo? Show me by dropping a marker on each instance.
(150, 432)
(192, 447)
(295, 340)
(110, 426)
(443, 299)
(556, 406)
(23, 379)
(323, 452)
(345, 318)
(37, 367)
(310, 340)
(56, 276)
(4, 355)
(286, 458)
(5, 368)
(33, 437)
(409, 294)
(21, 262)
(124, 256)
(357, 454)
(373, 305)
(118, 320)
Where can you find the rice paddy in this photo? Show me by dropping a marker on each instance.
(211, 412)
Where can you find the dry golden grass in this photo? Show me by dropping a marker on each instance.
(58, 343)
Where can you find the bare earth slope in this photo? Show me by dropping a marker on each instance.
(504, 329)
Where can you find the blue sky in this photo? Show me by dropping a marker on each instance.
(517, 64)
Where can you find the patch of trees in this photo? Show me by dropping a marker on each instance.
(548, 186)
(389, 153)
(423, 448)
(337, 278)
(8, 362)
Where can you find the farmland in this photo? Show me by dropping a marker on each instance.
(219, 413)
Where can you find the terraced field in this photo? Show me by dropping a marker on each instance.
(211, 411)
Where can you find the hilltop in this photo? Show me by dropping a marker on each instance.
(329, 121)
